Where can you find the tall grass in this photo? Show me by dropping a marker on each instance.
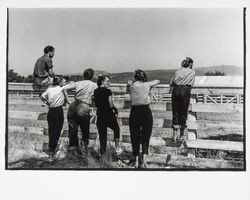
(26, 151)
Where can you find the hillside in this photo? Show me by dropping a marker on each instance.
(165, 75)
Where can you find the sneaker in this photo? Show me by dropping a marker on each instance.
(118, 151)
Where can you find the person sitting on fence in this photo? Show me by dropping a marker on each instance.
(79, 111)
(55, 98)
(140, 118)
(106, 114)
(180, 87)
(43, 69)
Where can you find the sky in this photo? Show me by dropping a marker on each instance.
(125, 39)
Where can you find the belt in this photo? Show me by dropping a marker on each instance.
(79, 101)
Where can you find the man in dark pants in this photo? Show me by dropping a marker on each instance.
(181, 85)
(43, 69)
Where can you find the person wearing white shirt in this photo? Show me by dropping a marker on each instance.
(55, 98)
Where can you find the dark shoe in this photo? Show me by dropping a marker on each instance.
(50, 152)
(182, 139)
(144, 165)
(174, 139)
(134, 164)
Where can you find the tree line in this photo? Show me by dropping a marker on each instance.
(17, 78)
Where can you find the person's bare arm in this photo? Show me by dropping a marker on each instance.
(69, 86)
(51, 72)
(130, 82)
(154, 82)
(111, 105)
(66, 96)
(171, 84)
(43, 76)
(44, 98)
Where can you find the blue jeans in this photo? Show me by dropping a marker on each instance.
(78, 114)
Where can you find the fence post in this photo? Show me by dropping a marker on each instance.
(191, 123)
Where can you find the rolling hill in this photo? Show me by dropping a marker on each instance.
(165, 75)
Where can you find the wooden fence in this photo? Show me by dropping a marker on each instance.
(208, 117)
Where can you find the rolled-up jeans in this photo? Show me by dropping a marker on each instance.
(78, 114)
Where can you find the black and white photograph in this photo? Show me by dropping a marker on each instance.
(140, 90)
(105, 88)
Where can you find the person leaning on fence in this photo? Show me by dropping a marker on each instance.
(43, 69)
(55, 98)
(106, 114)
(180, 87)
(140, 118)
(79, 111)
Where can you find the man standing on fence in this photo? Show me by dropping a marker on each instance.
(180, 87)
(43, 72)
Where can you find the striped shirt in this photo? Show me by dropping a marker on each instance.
(183, 76)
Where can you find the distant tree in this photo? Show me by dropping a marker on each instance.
(216, 73)
(15, 77)
(29, 79)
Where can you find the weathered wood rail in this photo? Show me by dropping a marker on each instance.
(27, 114)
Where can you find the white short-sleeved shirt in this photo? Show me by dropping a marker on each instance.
(85, 90)
(183, 76)
(139, 93)
(54, 96)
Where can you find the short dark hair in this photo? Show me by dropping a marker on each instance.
(186, 63)
(48, 49)
(101, 78)
(88, 74)
(189, 60)
(140, 75)
(56, 80)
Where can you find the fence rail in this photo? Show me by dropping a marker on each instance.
(27, 114)
(230, 93)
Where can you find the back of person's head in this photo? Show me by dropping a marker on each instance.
(56, 80)
(189, 61)
(88, 74)
(101, 78)
(48, 49)
(184, 64)
(140, 75)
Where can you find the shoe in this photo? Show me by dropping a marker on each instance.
(174, 139)
(50, 152)
(182, 139)
(144, 165)
(118, 151)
